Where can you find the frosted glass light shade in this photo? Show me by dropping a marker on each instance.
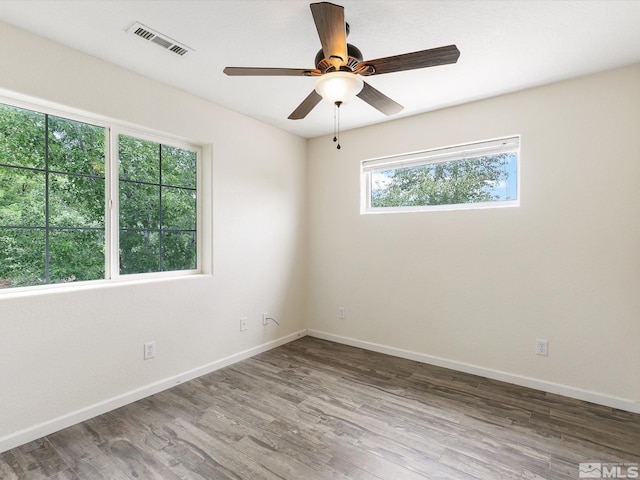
(339, 86)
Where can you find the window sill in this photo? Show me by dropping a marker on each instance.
(129, 280)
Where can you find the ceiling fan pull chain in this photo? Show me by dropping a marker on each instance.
(336, 130)
(335, 113)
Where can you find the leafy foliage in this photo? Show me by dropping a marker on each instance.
(52, 202)
(481, 179)
(157, 207)
(48, 157)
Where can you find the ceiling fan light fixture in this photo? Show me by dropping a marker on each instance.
(339, 86)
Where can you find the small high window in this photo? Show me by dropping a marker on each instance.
(476, 175)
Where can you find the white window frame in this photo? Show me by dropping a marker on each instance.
(111, 207)
(113, 204)
(438, 155)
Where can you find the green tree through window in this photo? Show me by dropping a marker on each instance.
(157, 207)
(463, 176)
(52, 188)
(482, 179)
(53, 216)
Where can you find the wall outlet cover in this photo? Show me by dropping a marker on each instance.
(149, 350)
(542, 347)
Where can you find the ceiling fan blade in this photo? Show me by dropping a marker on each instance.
(411, 61)
(379, 100)
(332, 30)
(260, 71)
(306, 106)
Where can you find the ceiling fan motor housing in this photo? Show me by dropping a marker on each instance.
(354, 58)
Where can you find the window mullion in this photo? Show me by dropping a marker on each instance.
(47, 269)
(160, 207)
(113, 206)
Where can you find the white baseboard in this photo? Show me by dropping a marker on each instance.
(46, 428)
(567, 391)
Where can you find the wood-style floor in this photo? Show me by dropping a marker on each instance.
(313, 409)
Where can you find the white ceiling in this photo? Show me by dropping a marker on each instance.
(505, 45)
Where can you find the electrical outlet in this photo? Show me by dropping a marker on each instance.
(243, 324)
(342, 313)
(542, 348)
(149, 350)
(265, 318)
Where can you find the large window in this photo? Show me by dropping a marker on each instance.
(477, 175)
(64, 219)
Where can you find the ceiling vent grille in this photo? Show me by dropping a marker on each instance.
(178, 49)
(158, 38)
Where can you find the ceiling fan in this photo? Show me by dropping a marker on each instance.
(339, 66)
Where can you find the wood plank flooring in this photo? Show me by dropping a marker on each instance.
(314, 409)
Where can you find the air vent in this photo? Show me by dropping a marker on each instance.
(178, 49)
(158, 38)
(146, 34)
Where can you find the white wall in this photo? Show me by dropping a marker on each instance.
(66, 354)
(474, 289)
